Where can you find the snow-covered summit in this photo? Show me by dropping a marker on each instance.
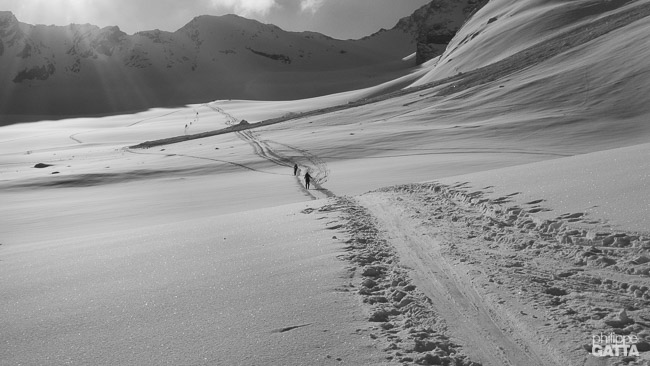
(84, 69)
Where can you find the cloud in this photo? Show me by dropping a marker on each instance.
(311, 5)
(246, 7)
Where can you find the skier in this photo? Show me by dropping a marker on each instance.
(295, 169)
(307, 179)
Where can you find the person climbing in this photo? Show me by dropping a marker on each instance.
(307, 179)
(295, 169)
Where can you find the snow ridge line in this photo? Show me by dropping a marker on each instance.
(408, 327)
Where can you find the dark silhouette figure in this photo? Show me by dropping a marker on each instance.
(295, 169)
(307, 180)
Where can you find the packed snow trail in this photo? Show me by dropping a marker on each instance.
(487, 335)
(505, 285)
(316, 167)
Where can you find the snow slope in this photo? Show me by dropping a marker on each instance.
(556, 118)
(607, 185)
(199, 291)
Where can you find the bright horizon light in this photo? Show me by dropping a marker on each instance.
(57, 12)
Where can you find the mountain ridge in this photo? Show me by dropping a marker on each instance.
(58, 70)
(82, 69)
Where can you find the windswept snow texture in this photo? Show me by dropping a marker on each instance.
(201, 291)
(544, 103)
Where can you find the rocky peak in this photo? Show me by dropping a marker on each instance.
(80, 29)
(7, 18)
(156, 36)
(202, 57)
(108, 39)
(436, 23)
(10, 31)
(229, 21)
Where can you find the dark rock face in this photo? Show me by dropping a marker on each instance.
(431, 45)
(9, 28)
(108, 40)
(277, 57)
(434, 25)
(156, 36)
(26, 52)
(35, 73)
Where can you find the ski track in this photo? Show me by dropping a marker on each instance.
(202, 158)
(150, 118)
(73, 138)
(316, 167)
(262, 148)
(511, 288)
(470, 319)
(455, 300)
(322, 170)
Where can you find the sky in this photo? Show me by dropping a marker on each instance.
(342, 19)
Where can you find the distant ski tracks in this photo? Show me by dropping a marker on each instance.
(202, 158)
(316, 166)
(77, 140)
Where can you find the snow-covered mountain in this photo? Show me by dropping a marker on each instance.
(81, 69)
(84, 69)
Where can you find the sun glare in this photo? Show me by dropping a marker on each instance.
(57, 12)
